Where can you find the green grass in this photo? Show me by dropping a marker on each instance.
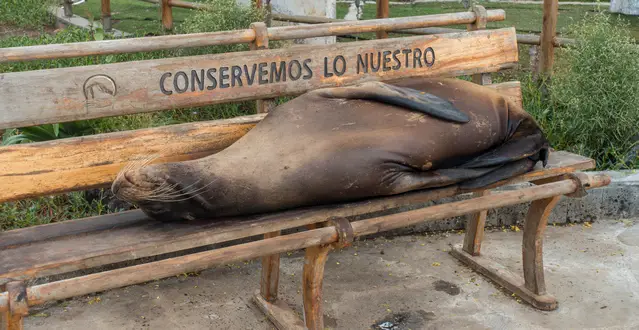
(526, 18)
(142, 18)
(25, 13)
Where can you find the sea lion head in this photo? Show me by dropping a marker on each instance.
(161, 191)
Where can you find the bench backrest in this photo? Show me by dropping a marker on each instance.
(77, 93)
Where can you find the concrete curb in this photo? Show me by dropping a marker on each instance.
(619, 200)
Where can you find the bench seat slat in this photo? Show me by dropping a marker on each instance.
(91, 242)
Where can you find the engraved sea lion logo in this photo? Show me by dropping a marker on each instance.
(98, 87)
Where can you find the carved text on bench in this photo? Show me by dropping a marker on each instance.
(261, 73)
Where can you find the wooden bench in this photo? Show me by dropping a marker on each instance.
(74, 164)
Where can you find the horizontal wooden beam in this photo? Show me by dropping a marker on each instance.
(528, 39)
(102, 281)
(79, 93)
(44, 250)
(86, 162)
(93, 161)
(147, 44)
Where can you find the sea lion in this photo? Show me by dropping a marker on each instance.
(343, 144)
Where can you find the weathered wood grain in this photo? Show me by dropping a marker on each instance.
(106, 14)
(145, 44)
(495, 200)
(505, 278)
(549, 29)
(269, 283)
(93, 161)
(382, 12)
(68, 94)
(168, 267)
(167, 15)
(475, 228)
(282, 316)
(44, 250)
(532, 245)
(312, 281)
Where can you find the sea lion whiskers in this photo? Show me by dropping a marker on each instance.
(172, 198)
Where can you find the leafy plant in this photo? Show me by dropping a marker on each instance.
(46, 132)
(595, 93)
(26, 13)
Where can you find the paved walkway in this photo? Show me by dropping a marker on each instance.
(409, 281)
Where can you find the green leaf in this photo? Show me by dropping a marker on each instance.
(98, 34)
(15, 139)
(56, 129)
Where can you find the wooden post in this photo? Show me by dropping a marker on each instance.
(167, 15)
(475, 229)
(382, 12)
(68, 8)
(532, 247)
(480, 24)
(106, 15)
(312, 280)
(18, 308)
(546, 58)
(261, 42)
(270, 273)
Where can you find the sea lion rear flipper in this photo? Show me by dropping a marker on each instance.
(403, 97)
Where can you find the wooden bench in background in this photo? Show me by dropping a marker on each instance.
(74, 164)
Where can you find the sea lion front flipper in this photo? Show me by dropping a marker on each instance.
(403, 97)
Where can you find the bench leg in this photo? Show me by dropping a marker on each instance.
(282, 316)
(270, 273)
(11, 319)
(531, 288)
(314, 262)
(475, 229)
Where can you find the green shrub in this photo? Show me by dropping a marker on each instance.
(26, 13)
(221, 15)
(595, 93)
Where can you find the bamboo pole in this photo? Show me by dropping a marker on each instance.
(145, 44)
(198, 261)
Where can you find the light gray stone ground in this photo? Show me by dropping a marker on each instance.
(407, 280)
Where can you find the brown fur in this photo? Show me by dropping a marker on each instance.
(317, 149)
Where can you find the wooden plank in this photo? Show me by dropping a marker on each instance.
(270, 273)
(504, 278)
(316, 237)
(511, 89)
(549, 27)
(475, 228)
(145, 44)
(532, 245)
(382, 12)
(312, 282)
(67, 94)
(282, 316)
(113, 238)
(495, 200)
(94, 161)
